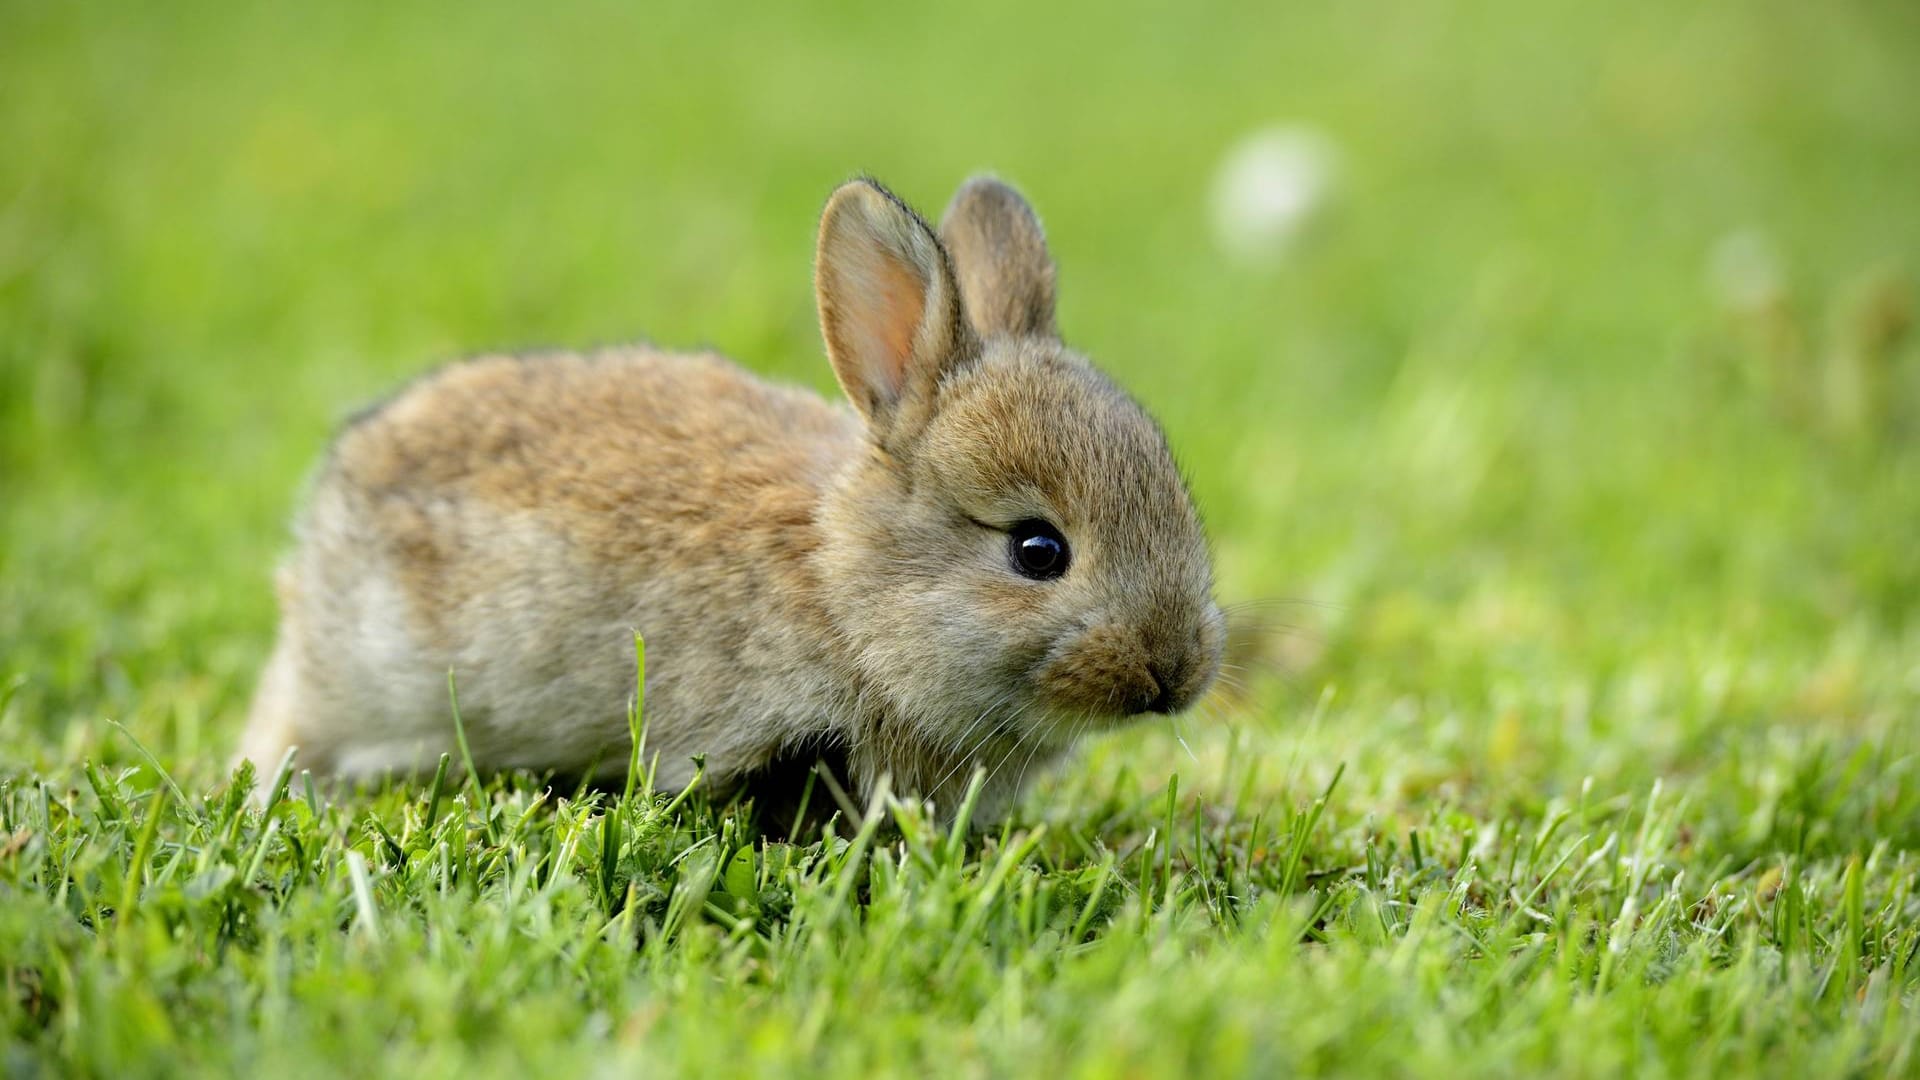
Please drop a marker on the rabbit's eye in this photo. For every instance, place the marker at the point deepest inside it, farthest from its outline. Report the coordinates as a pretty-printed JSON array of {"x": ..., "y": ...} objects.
[{"x": 1037, "y": 550}]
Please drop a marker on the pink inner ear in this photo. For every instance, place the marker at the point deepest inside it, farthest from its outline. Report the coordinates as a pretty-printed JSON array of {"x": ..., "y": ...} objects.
[{"x": 890, "y": 317}]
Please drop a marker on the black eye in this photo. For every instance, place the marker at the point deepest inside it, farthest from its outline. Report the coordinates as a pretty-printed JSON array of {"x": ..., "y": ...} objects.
[{"x": 1037, "y": 550}]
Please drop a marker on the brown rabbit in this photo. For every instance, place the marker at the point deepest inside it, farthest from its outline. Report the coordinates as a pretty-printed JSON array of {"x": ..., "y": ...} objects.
[{"x": 990, "y": 554}]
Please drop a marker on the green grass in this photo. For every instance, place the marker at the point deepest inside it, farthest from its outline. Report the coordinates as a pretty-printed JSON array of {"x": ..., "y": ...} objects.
[{"x": 1588, "y": 745}]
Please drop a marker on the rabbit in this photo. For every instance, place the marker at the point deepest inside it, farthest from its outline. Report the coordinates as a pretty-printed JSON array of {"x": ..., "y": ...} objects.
[{"x": 986, "y": 553}]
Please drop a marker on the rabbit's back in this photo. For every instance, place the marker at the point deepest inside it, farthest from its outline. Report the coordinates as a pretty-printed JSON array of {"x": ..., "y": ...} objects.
[{"x": 515, "y": 520}]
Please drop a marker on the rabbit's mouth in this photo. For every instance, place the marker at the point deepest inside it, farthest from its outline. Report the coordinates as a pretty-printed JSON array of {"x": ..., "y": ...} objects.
[
  {"x": 1116, "y": 673},
  {"x": 1124, "y": 690}
]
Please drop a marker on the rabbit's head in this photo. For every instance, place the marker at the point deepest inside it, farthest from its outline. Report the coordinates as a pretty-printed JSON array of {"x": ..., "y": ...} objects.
[{"x": 1015, "y": 554}]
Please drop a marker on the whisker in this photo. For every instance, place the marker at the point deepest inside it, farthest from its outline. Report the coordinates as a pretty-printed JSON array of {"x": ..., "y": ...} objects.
[
  {"x": 962, "y": 740},
  {"x": 1022, "y": 778},
  {"x": 1270, "y": 602},
  {"x": 1243, "y": 628},
  {"x": 963, "y": 756},
  {"x": 1223, "y": 713},
  {"x": 1018, "y": 738}
]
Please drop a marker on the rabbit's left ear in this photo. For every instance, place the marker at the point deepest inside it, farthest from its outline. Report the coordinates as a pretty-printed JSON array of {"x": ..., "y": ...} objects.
[
  {"x": 1000, "y": 254},
  {"x": 890, "y": 309}
]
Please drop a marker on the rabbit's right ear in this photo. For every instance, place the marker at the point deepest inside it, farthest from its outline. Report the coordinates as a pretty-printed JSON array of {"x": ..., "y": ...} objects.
[{"x": 889, "y": 309}]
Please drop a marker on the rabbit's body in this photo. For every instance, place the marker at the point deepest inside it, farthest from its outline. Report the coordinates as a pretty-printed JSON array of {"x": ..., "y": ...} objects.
[
  {"x": 990, "y": 554},
  {"x": 514, "y": 520}
]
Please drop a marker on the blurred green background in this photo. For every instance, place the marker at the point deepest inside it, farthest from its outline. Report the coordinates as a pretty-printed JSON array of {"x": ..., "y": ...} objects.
[{"x": 1550, "y": 498}]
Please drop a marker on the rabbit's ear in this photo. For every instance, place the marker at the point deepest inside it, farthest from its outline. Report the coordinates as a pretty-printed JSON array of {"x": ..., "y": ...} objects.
[
  {"x": 889, "y": 308},
  {"x": 1001, "y": 256}
]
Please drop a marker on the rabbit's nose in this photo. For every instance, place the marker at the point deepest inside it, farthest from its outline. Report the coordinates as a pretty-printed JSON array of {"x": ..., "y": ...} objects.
[
  {"x": 1179, "y": 678},
  {"x": 1162, "y": 702},
  {"x": 1165, "y": 697}
]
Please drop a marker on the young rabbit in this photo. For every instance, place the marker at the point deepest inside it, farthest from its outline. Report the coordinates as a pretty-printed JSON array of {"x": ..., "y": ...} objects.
[{"x": 989, "y": 555}]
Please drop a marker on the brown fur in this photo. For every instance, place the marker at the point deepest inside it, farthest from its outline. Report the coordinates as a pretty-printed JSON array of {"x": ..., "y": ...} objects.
[{"x": 804, "y": 576}]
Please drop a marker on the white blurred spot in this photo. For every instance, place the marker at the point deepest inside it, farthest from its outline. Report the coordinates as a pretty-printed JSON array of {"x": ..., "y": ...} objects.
[
  {"x": 1746, "y": 271},
  {"x": 1270, "y": 186}
]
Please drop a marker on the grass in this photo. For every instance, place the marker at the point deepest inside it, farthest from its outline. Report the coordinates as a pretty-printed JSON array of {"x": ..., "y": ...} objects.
[{"x": 1587, "y": 745}]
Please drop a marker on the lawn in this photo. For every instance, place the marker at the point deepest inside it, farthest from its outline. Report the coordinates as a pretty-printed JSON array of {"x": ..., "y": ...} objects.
[{"x": 1571, "y": 461}]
